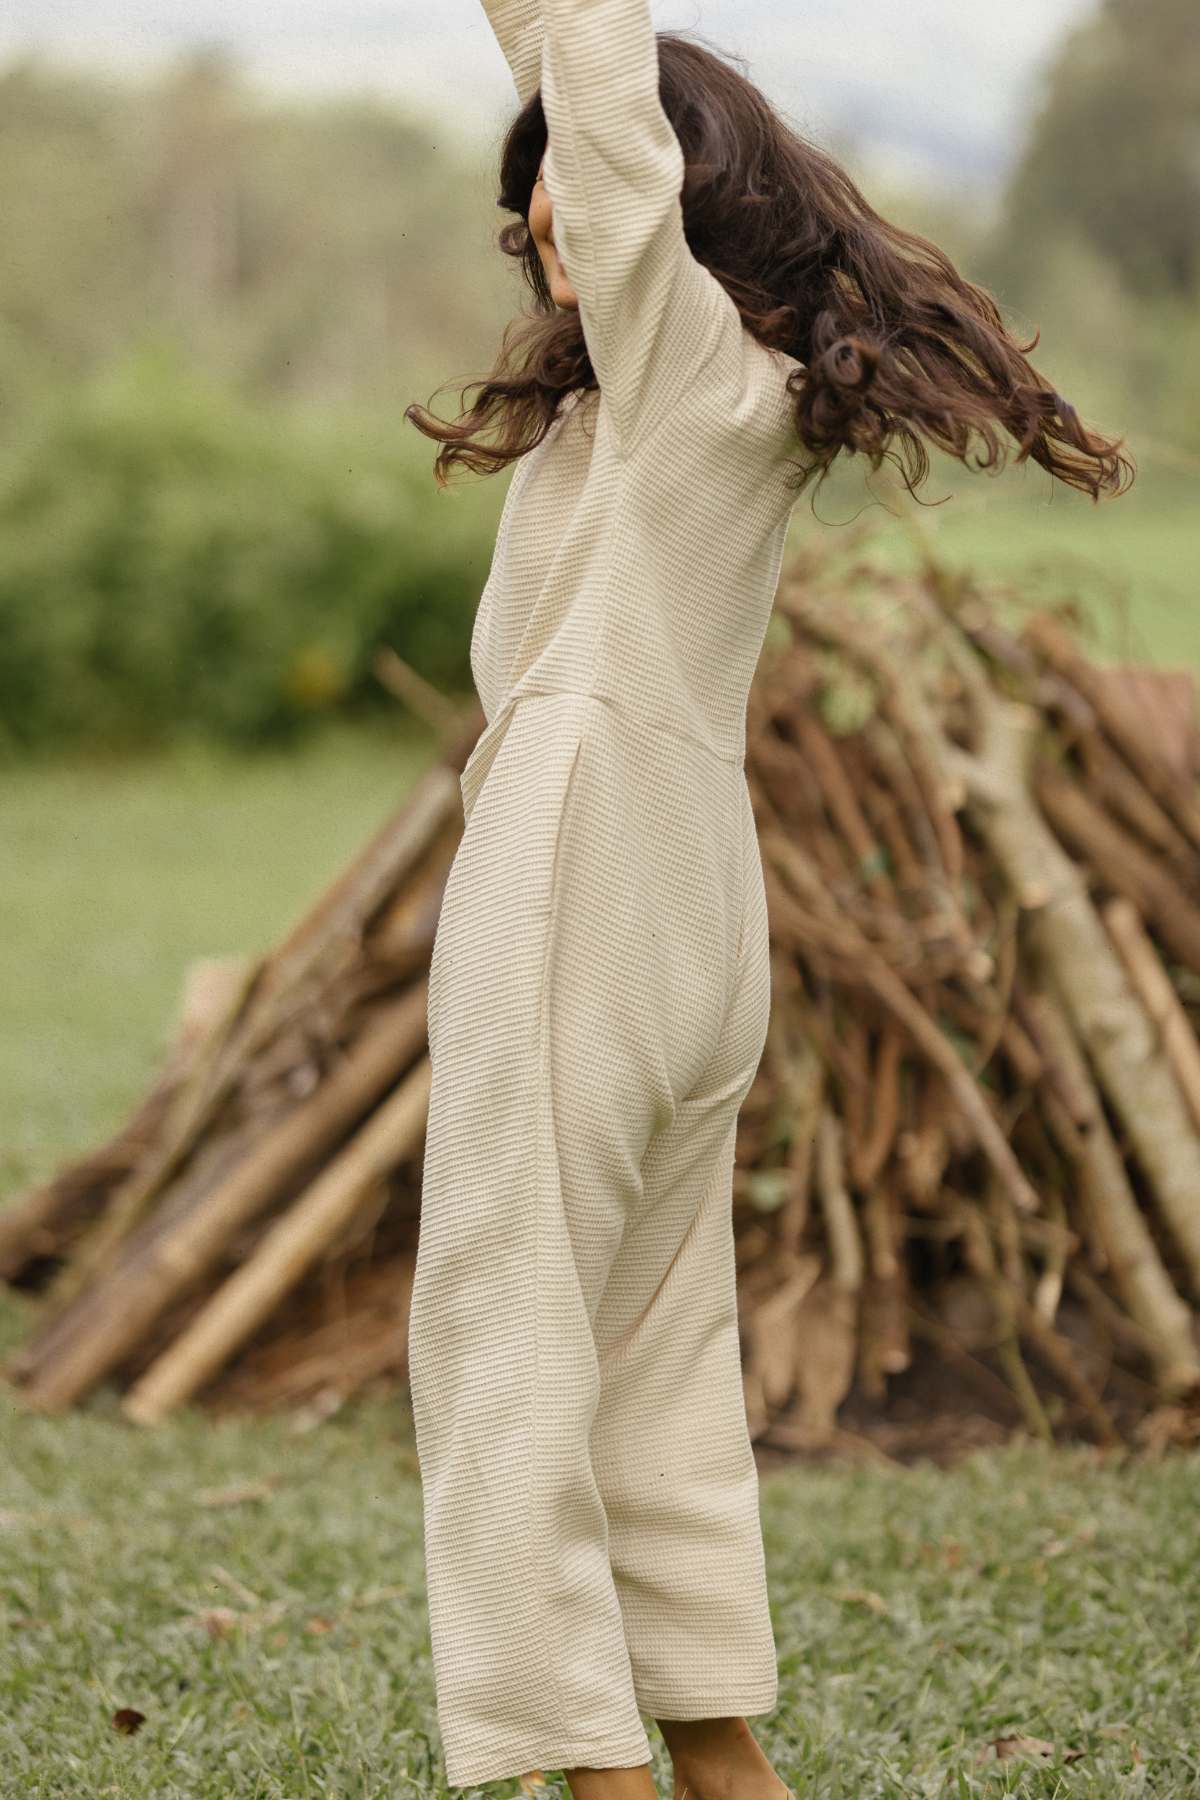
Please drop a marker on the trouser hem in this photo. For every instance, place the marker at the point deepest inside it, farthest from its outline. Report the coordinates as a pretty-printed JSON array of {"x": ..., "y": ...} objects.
[
  {"x": 470, "y": 1771},
  {"x": 729, "y": 1703}
]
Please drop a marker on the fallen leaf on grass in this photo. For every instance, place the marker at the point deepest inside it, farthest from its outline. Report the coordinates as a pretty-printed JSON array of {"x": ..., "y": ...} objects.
[
  {"x": 533, "y": 1783},
  {"x": 862, "y": 1597},
  {"x": 1001, "y": 1748},
  {"x": 128, "y": 1719},
  {"x": 218, "y": 1621},
  {"x": 246, "y": 1595},
  {"x": 237, "y": 1494}
]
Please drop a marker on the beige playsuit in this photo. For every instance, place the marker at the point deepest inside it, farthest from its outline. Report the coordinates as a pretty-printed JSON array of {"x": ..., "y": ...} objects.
[{"x": 599, "y": 992}]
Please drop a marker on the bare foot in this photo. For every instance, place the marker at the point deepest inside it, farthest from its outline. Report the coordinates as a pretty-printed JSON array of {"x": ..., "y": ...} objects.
[{"x": 720, "y": 1759}]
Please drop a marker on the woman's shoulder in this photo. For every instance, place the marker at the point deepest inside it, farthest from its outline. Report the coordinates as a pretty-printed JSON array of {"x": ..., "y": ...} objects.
[{"x": 748, "y": 396}]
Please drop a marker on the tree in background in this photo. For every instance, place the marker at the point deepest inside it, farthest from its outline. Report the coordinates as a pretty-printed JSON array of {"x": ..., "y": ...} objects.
[
  {"x": 1115, "y": 150},
  {"x": 330, "y": 254},
  {"x": 1098, "y": 242}
]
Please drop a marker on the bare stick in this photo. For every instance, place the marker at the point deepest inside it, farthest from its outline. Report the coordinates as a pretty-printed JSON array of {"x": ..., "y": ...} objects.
[{"x": 288, "y": 1249}]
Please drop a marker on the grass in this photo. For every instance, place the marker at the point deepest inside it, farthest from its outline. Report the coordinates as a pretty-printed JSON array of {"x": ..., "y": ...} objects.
[
  {"x": 919, "y": 1615},
  {"x": 119, "y": 874}
]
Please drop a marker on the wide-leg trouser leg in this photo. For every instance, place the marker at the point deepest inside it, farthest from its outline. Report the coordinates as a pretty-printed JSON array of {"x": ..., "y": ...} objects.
[
  {"x": 670, "y": 1444},
  {"x": 580, "y": 983}
]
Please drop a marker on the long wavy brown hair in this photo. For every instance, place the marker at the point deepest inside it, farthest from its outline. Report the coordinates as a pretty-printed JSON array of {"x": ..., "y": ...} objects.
[{"x": 897, "y": 346}]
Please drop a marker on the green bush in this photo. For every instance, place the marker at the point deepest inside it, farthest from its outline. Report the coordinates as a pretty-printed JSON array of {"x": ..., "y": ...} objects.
[{"x": 172, "y": 560}]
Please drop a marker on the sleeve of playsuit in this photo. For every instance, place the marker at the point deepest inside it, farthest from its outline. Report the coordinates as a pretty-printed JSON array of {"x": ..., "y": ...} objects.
[
  {"x": 651, "y": 313},
  {"x": 519, "y": 31}
]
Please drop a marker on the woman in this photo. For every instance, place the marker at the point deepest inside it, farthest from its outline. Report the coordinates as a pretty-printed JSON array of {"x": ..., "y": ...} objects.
[{"x": 714, "y": 295}]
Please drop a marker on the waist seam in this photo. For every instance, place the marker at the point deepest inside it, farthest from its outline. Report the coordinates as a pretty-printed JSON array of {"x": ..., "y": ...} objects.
[{"x": 735, "y": 757}]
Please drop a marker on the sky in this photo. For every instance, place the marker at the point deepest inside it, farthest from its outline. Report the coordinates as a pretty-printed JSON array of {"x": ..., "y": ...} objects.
[{"x": 933, "y": 90}]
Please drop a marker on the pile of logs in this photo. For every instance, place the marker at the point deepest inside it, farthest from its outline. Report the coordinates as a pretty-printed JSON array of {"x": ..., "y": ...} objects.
[{"x": 974, "y": 1133}]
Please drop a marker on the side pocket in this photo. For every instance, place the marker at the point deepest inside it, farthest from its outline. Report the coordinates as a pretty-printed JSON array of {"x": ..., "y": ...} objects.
[
  {"x": 568, "y": 791},
  {"x": 471, "y": 781},
  {"x": 754, "y": 952},
  {"x": 748, "y": 840},
  {"x": 715, "y": 1075}
]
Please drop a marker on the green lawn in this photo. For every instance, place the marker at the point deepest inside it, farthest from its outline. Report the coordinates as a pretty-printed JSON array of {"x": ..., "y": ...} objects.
[
  {"x": 276, "y": 1643},
  {"x": 119, "y": 875}
]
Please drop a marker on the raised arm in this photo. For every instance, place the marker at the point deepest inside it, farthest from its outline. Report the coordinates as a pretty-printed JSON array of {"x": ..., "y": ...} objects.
[
  {"x": 614, "y": 170},
  {"x": 651, "y": 314},
  {"x": 519, "y": 30}
]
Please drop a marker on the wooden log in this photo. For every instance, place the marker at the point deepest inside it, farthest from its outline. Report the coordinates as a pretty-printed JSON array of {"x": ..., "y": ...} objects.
[
  {"x": 1055, "y": 1350},
  {"x": 171, "y": 1263},
  {"x": 901, "y": 702},
  {"x": 132, "y": 1199},
  {"x": 806, "y": 1080},
  {"x": 771, "y": 1331},
  {"x": 884, "y": 1341},
  {"x": 341, "y": 1356},
  {"x": 1056, "y": 1242},
  {"x": 1110, "y": 854},
  {"x": 862, "y": 957},
  {"x": 820, "y": 753},
  {"x": 868, "y": 1154},
  {"x": 920, "y": 849},
  {"x": 1078, "y": 1097},
  {"x": 1168, "y": 700},
  {"x": 1068, "y": 938},
  {"x": 1111, "y": 1213},
  {"x": 284, "y": 1254},
  {"x": 339, "y": 917},
  {"x": 880, "y": 806},
  {"x": 841, "y": 1226},
  {"x": 212, "y": 1162},
  {"x": 43, "y": 1222},
  {"x": 444, "y": 717},
  {"x": 1124, "y": 723},
  {"x": 1119, "y": 794},
  {"x": 1148, "y": 976},
  {"x": 981, "y": 1259},
  {"x": 826, "y": 1349},
  {"x": 923, "y": 1147}
]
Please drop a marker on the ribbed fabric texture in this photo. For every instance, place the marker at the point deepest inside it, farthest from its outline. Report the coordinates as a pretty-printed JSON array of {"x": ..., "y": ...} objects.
[{"x": 599, "y": 993}]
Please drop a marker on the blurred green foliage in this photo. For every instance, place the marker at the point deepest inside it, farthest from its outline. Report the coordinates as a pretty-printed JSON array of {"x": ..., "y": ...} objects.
[
  {"x": 173, "y": 559},
  {"x": 214, "y": 309}
]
